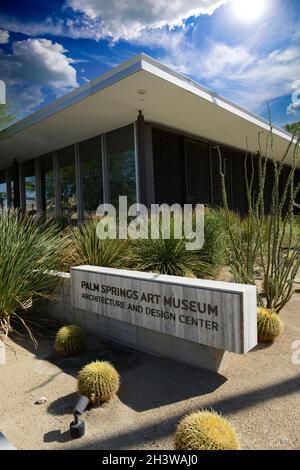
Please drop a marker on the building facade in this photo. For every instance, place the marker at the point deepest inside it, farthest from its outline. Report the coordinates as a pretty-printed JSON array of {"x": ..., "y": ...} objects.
[{"x": 142, "y": 131}]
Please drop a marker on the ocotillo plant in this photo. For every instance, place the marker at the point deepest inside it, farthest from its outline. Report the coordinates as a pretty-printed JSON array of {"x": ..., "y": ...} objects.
[{"x": 267, "y": 238}]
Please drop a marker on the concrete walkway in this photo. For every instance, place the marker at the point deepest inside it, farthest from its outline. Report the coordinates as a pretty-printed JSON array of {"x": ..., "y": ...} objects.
[{"x": 259, "y": 393}]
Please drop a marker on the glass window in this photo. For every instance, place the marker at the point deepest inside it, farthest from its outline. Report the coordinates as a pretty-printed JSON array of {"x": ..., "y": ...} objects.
[
  {"x": 91, "y": 174},
  {"x": 47, "y": 175},
  {"x": 121, "y": 164},
  {"x": 3, "y": 192},
  {"x": 30, "y": 186},
  {"x": 66, "y": 158}
]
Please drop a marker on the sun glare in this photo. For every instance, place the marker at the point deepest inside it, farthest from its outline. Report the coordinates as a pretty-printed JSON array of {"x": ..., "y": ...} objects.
[{"x": 248, "y": 10}]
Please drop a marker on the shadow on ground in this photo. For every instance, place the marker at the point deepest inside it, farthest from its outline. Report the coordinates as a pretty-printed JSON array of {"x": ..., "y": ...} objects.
[
  {"x": 57, "y": 436},
  {"x": 158, "y": 382},
  {"x": 63, "y": 405},
  {"x": 147, "y": 381},
  {"x": 141, "y": 435}
]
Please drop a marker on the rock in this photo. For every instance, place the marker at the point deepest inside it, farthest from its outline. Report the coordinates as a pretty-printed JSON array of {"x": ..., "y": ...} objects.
[{"x": 40, "y": 401}]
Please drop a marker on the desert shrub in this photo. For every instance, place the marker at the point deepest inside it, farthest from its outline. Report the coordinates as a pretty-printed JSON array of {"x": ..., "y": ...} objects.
[
  {"x": 98, "y": 381},
  {"x": 215, "y": 240},
  {"x": 88, "y": 248},
  {"x": 31, "y": 256},
  {"x": 268, "y": 238},
  {"x": 162, "y": 256},
  {"x": 205, "y": 430},
  {"x": 170, "y": 255},
  {"x": 70, "y": 340}
]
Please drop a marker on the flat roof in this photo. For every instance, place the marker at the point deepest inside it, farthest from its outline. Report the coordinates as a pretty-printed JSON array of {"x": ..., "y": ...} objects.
[{"x": 112, "y": 100}]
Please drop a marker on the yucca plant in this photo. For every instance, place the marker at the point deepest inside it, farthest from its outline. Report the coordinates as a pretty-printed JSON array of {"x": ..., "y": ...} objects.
[
  {"x": 168, "y": 256},
  {"x": 31, "y": 256},
  {"x": 88, "y": 248},
  {"x": 162, "y": 256}
]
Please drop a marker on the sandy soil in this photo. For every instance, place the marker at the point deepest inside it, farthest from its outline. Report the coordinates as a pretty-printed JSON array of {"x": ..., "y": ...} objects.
[{"x": 259, "y": 393}]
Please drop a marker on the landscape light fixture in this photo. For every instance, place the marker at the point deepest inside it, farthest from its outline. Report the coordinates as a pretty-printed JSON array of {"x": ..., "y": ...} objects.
[{"x": 77, "y": 427}]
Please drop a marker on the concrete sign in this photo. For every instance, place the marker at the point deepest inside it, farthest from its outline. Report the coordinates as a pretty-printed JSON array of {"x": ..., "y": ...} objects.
[{"x": 217, "y": 314}]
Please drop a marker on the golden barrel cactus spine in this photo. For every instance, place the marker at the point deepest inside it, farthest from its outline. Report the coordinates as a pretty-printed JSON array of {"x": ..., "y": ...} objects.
[
  {"x": 98, "y": 381},
  {"x": 205, "y": 430},
  {"x": 70, "y": 340},
  {"x": 269, "y": 325}
]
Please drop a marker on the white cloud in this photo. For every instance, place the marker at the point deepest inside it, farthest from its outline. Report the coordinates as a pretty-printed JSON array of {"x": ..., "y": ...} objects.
[
  {"x": 294, "y": 106},
  {"x": 223, "y": 59},
  {"x": 33, "y": 66},
  {"x": 41, "y": 61},
  {"x": 127, "y": 18},
  {"x": 240, "y": 73},
  {"x": 81, "y": 27},
  {"x": 4, "y": 37},
  {"x": 25, "y": 99}
]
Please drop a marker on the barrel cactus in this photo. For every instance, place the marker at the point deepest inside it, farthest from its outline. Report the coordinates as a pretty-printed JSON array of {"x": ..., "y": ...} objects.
[
  {"x": 269, "y": 325},
  {"x": 205, "y": 430},
  {"x": 70, "y": 340},
  {"x": 99, "y": 381}
]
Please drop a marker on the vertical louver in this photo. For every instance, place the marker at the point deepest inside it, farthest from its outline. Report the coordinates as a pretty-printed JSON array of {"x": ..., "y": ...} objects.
[
  {"x": 168, "y": 163},
  {"x": 198, "y": 175}
]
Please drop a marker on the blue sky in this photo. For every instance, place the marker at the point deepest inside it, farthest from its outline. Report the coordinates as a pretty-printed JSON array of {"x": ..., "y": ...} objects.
[{"x": 246, "y": 50}]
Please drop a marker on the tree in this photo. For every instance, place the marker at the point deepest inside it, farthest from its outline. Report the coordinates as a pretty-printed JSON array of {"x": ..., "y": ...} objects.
[
  {"x": 293, "y": 127},
  {"x": 5, "y": 117}
]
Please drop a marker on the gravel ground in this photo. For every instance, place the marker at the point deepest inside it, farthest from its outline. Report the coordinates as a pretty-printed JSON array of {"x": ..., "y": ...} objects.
[{"x": 259, "y": 393}]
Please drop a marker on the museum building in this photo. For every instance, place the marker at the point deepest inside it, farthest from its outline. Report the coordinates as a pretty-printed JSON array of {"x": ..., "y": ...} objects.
[{"x": 141, "y": 130}]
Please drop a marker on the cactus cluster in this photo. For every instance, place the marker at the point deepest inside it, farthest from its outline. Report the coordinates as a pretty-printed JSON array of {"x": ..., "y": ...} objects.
[
  {"x": 205, "y": 430},
  {"x": 269, "y": 325},
  {"x": 99, "y": 381},
  {"x": 70, "y": 340}
]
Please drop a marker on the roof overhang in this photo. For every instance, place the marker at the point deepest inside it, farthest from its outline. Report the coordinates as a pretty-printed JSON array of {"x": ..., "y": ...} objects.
[{"x": 113, "y": 100}]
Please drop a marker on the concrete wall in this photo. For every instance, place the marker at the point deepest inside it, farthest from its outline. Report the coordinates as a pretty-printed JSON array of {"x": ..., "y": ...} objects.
[{"x": 133, "y": 336}]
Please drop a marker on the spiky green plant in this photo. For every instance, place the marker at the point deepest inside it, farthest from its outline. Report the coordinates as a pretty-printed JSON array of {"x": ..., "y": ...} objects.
[
  {"x": 88, "y": 248},
  {"x": 215, "y": 237},
  {"x": 162, "y": 256},
  {"x": 98, "y": 381},
  {"x": 205, "y": 430},
  {"x": 269, "y": 325},
  {"x": 167, "y": 254},
  {"x": 31, "y": 256},
  {"x": 70, "y": 340},
  {"x": 268, "y": 238}
]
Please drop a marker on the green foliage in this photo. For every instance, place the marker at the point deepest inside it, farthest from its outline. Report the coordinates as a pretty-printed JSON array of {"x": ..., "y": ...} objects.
[
  {"x": 31, "y": 252},
  {"x": 293, "y": 128},
  {"x": 205, "y": 430},
  {"x": 267, "y": 240},
  {"x": 70, "y": 340},
  {"x": 269, "y": 325},
  {"x": 98, "y": 381},
  {"x": 168, "y": 256},
  {"x": 5, "y": 117},
  {"x": 88, "y": 248},
  {"x": 215, "y": 240},
  {"x": 161, "y": 255}
]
